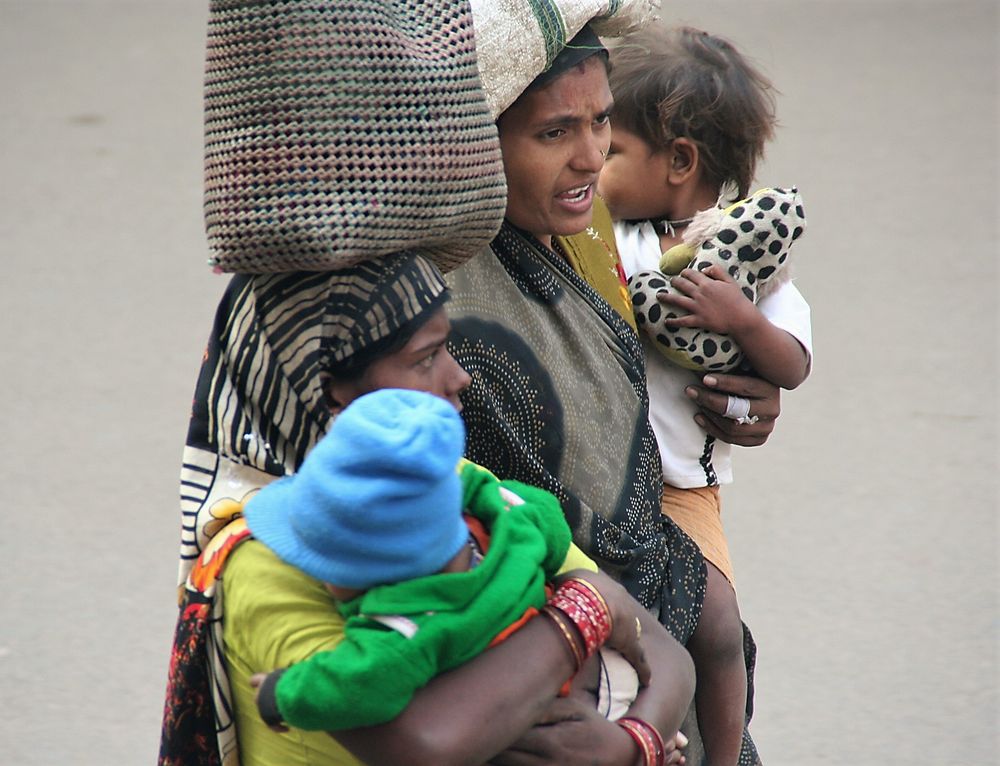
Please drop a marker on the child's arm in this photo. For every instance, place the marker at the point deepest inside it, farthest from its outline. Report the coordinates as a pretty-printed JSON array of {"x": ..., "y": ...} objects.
[
  {"x": 716, "y": 303},
  {"x": 267, "y": 699},
  {"x": 366, "y": 679}
]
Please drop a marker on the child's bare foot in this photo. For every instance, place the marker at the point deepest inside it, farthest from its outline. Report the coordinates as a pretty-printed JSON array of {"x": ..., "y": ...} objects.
[{"x": 674, "y": 749}]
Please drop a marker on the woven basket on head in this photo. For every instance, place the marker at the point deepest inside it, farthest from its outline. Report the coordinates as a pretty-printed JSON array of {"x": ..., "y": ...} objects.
[{"x": 336, "y": 132}]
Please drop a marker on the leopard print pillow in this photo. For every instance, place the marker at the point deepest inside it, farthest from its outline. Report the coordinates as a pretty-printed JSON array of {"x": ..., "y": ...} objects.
[{"x": 752, "y": 242}]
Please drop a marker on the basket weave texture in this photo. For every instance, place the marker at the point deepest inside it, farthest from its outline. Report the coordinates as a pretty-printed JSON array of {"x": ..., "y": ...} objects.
[{"x": 339, "y": 132}]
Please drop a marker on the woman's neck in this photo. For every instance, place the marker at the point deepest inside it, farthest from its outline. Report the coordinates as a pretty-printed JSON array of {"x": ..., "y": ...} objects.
[{"x": 547, "y": 241}]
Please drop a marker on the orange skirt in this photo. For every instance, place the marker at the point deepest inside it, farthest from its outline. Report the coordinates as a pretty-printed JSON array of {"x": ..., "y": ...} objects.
[{"x": 698, "y": 511}]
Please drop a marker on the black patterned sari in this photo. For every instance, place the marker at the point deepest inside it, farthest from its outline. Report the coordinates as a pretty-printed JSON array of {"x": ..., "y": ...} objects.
[{"x": 558, "y": 399}]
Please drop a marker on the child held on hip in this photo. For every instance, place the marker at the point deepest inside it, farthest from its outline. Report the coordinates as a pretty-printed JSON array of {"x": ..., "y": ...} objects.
[{"x": 690, "y": 120}]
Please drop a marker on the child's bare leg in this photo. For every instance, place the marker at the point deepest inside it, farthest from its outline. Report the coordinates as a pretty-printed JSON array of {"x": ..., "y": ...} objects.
[{"x": 717, "y": 650}]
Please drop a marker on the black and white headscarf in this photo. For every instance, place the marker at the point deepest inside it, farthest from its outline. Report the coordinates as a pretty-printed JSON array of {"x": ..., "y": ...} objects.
[{"x": 259, "y": 405}]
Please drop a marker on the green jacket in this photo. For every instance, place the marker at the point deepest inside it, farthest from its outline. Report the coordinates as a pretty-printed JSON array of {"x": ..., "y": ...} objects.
[{"x": 372, "y": 674}]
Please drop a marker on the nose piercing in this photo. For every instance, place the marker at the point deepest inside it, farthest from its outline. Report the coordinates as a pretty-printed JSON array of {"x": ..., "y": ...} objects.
[{"x": 604, "y": 153}]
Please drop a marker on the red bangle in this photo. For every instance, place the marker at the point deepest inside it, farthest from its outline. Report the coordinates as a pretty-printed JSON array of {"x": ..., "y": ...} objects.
[
  {"x": 651, "y": 746},
  {"x": 587, "y": 610},
  {"x": 578, "y": 583}
]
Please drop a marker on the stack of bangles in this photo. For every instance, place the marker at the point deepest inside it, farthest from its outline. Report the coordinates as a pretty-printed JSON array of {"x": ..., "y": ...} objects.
[
  {"x": 578, "y": 603},
  {"x": 651, "y": 746}
]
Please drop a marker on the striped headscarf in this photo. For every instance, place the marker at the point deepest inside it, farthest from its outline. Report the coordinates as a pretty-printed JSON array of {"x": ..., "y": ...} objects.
[{"x": 259, "y": 405}]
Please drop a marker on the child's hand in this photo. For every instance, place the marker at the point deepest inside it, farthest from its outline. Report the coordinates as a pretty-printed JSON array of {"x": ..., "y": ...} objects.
[
  {"x": 255, "y": 681},
  {"x": 713, "y": 300}
]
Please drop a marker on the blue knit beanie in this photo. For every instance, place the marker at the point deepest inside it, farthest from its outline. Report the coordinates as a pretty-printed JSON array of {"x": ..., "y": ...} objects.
[{"x": 378, "y": 500}]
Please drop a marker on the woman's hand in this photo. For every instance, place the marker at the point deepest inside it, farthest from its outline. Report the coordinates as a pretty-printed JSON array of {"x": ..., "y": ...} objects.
[
  {"x": 713, "y": 396},
  {"x": 572, "y": 731}
]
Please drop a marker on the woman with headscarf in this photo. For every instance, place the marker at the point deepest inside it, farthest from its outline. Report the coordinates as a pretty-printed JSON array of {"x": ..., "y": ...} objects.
[
  {"x": 286, "y": 354},
  {"x": 558, "y": 396}
]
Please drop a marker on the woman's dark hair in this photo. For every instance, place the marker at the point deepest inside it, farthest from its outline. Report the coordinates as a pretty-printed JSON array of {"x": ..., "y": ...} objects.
[
  {"x": 355, "y": 365},
  {"x": 685, "y": 83}
]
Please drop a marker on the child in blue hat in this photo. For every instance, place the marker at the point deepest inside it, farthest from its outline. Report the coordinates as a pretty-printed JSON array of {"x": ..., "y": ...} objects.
[{"x": 381, "y": 512}]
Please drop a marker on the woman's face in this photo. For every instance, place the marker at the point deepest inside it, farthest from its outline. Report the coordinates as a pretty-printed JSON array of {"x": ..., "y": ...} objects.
[
  {"x": 423, "y": 364},
  {"x": 553, "y": 141}
]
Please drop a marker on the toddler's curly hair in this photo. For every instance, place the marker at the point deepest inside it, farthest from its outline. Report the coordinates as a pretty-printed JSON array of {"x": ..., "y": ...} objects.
[{"x": 683, "y": 82}]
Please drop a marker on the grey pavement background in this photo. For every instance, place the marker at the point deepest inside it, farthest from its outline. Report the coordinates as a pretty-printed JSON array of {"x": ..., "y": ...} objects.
[{"x": 864, "y": 534}]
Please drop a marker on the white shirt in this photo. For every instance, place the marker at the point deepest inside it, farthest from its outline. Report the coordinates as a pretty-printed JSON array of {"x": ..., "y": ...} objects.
[{"x": 692, "y": 458}]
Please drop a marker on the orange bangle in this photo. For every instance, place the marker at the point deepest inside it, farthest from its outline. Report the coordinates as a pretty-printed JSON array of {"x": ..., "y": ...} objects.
[{"x": 574, "y": 647}]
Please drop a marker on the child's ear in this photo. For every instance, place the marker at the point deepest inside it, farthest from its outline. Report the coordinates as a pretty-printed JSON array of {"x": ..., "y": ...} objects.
[{"x": 683, "y": 160}]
